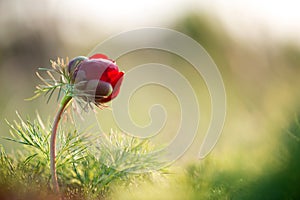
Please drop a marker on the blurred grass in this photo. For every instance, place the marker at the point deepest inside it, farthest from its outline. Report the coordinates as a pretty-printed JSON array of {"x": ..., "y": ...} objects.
[{"x": 211, "y": 179}]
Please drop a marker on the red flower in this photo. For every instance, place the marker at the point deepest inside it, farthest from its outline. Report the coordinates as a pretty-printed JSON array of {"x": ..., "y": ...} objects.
[{"x": 96, "y": 78}]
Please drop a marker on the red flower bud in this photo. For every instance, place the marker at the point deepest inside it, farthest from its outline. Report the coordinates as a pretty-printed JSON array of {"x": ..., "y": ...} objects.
[{"x": 96, "y": 78}]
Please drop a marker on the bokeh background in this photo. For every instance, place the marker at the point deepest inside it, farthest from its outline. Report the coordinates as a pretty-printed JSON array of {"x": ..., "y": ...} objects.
[{"x": 255, "y": 44}]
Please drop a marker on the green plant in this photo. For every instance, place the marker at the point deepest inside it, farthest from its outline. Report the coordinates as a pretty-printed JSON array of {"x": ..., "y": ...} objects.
[
  {"x": 87, "y": 165},
  {"x": 90, "y": 80}
]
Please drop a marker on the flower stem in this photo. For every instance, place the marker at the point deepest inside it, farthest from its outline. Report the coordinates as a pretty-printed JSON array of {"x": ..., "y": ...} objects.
[{"x": 62, "y": 107}]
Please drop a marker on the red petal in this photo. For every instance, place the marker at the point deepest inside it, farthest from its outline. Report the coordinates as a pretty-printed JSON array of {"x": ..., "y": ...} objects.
[
  {"x": 98, "y": 55},
  {"x": 110, "y": 74},
  {"x": 116, "y": 88}
]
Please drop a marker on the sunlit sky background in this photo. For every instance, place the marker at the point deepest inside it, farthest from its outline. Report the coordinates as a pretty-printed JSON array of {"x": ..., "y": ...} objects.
[
  {"x": 246, "y": 19},
  {"x": 278, "y": 18}
]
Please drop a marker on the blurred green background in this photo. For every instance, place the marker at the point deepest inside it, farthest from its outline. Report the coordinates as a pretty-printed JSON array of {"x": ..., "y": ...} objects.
[{"x": 258, "y": 56}]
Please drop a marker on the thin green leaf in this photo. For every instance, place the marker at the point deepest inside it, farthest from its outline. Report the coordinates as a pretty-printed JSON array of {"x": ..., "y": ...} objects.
[{"x": 29, "y": 158}]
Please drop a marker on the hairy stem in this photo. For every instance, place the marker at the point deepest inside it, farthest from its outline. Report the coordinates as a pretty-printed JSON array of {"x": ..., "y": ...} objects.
[{"x": 62, "y": 107}]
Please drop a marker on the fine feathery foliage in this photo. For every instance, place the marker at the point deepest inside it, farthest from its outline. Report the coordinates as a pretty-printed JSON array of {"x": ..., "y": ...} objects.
[
  {"x": 87, "y": 166},
  {"x": 58, "y": 80}
]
